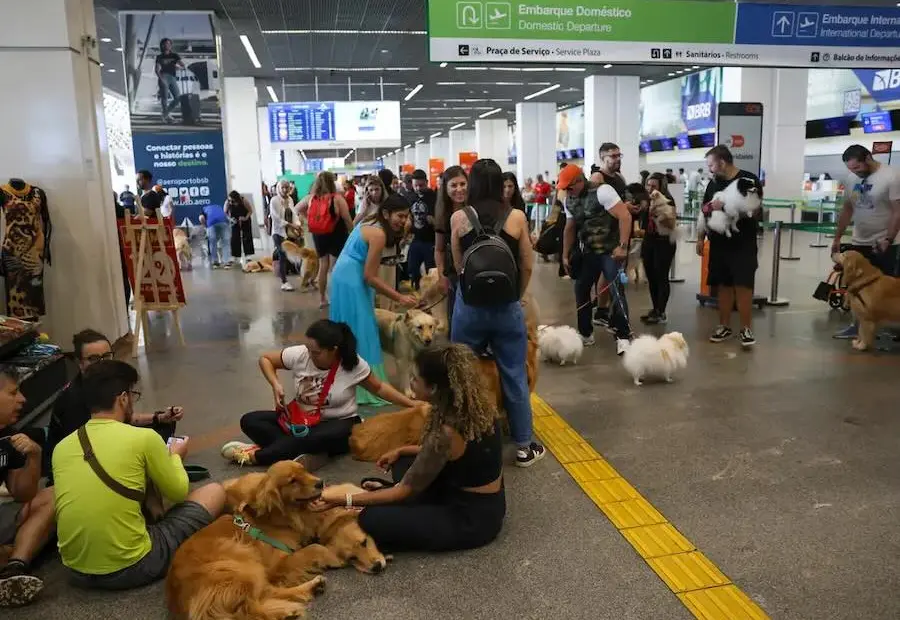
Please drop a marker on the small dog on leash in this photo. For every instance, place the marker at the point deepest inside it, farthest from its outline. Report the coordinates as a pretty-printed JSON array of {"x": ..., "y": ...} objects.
[
  {"x": 656, "y": 358},
  {"x": 741, "y": 197},
  {"x": 560, "y": 345}
]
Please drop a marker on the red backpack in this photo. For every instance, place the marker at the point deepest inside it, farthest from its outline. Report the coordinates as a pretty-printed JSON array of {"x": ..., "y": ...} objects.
[{"x": 322, "y": 216}]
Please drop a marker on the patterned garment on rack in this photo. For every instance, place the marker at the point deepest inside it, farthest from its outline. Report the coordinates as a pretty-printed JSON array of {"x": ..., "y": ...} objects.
[{"x": 26, "y": 245}]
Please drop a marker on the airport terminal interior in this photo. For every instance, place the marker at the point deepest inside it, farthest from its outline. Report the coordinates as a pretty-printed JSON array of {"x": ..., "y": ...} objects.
[{"x": 175, "y": 178}]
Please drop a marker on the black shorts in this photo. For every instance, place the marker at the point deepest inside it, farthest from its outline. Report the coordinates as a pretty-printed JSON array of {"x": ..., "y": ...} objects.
[
  {"x": 732, "y": 264},
  {"x": 330, "y": 244}
]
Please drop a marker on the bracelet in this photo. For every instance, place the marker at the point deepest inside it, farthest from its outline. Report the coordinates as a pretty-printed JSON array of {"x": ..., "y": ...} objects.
[{"x": 349, "y": 499}]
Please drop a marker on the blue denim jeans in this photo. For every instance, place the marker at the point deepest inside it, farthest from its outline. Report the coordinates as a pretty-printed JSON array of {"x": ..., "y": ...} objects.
[
  {"x": 219, "y": 233},
  {"x": 503, "y": 329},
  {"x": 420, "y": 253},
  {"x": 592, "y": 268},
  {"x": 168, "y": 84}
]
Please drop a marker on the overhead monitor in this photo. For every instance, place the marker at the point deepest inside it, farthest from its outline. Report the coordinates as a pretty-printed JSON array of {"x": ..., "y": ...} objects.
[
  {"x": 877, "y": 122},
  {"x": 334, "y": 124}
]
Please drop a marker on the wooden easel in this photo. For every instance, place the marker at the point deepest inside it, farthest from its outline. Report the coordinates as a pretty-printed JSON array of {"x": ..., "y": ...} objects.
[{"x": 137, "y": 229}]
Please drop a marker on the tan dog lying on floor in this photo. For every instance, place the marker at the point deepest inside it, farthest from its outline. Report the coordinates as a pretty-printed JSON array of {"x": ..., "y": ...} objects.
[
  {"x": 874, "y": 297},
  {"x": 227, "y": 570},
  {"x": 258, "y": 266},
  {"x": 305, "y": 259},
  {"x": 403, "y": 336}
]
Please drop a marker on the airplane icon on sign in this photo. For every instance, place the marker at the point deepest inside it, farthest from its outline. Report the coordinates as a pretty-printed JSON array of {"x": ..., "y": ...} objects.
[{"x": 497, "y": 15}]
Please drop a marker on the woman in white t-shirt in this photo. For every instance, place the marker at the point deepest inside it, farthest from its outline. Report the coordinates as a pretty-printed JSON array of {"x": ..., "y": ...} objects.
[{"x": 331, "y": 351}]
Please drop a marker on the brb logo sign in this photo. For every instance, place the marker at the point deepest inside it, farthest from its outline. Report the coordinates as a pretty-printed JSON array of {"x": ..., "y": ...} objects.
[
  {"x": 888, "y": 79},
  {"x": 883, "y": 85},
  {"x": 698, "y": 111}
]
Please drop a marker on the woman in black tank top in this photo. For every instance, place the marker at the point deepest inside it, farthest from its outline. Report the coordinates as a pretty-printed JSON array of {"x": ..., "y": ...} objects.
[
  {"x": 447, "y": 493},
  {"x": 240, "y": 214}
]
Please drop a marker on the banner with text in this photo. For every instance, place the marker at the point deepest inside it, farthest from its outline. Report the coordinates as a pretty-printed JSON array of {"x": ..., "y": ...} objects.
[
  {"x": 172, "y": 80},
  {"x": 740, "y": 129},
  {"x": 665, "y": 32}
]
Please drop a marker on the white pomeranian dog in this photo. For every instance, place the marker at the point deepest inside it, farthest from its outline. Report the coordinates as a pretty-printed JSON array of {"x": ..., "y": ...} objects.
[
  {"x": 656, "y": 358},
  {"x": 741, "y": 198},
  {"x": 561, "y": 345}
]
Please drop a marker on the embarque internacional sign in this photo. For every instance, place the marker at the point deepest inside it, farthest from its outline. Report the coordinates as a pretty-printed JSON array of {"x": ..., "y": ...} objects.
[{"x": 663, "y": 32}]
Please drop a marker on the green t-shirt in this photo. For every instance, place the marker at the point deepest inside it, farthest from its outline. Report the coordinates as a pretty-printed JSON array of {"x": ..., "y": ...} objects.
[{"x": 99, "y": 531}]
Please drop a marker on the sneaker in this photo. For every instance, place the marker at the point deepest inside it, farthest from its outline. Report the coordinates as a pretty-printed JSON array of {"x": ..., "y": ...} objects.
[
  {"x": 287, "y": 286},
  {"x": 216, "y": 266},
  {"x": 622, "y": 345},
  {"x": 650, "y": 317},
  {"x": 661, "y": 319},
  {"x": 587, "y": 341},
  {"x": 17, "y": 587},
  {"x": 228, "y": 265},
  {"x": 238, "y": 452},
  {"x": 526, "y": 457},
  {"x": 722, "y": 333},
  {"x": 601, "y": 318},
  {"x": 747, "y": 337},
  {"x": 848, "y": 333}
]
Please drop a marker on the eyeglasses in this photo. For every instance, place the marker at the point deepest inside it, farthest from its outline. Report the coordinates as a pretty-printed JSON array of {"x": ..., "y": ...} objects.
[
  {"x": 93, "y": 359},
  {"x": 135, "y": 395}
]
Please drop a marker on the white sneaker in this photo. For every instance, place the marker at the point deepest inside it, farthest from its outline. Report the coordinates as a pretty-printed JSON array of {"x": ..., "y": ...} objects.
[
  {"x": 588, "y": 341},
  {"x": 238, "y": 451},
  {"x": 287, "y": 286},
  {"x": 622, "y": 345}
]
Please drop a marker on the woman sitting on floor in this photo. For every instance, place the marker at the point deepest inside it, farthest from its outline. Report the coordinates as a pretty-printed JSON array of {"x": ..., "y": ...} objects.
[
  {"x": 326, "y": 373},
  {"x": 447, "y": 494}
]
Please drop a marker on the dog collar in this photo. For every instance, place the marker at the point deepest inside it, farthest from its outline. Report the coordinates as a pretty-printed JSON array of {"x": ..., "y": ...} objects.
[
  {"x": 855, "y": 291},
  {"x": 257, "y": 534}
]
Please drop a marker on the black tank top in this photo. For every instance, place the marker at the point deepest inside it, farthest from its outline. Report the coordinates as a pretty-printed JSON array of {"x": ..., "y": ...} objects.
[
  {"x": 237, "y": 208},
  {"x": 480, "y": 464}
]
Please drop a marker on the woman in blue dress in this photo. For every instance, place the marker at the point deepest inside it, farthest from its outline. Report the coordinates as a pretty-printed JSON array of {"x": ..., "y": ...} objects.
[{"x": 355, "y": 280}]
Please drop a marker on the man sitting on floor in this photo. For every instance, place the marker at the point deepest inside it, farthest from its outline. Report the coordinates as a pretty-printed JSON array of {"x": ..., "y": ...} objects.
[
  {"x": 70, "y": 410},
  {"x": 103, "y": 537},
  {"x": 26, "y": 520}
]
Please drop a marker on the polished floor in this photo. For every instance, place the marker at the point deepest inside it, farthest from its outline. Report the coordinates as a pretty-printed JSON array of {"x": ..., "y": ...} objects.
[{"x": 780, "y": 464}]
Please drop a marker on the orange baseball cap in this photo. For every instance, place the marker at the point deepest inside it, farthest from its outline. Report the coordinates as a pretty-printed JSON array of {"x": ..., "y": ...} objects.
[{"x": 567, "y": 176}]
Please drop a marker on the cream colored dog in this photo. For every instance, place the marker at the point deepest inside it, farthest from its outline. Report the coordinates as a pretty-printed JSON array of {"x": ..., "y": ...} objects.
[
  {"x": 403, "y": 336},
  {"x": 183, "y": 249}
]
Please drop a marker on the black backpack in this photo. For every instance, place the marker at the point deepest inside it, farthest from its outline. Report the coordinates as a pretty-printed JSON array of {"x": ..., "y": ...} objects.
[{"x": 489, "y": 274}]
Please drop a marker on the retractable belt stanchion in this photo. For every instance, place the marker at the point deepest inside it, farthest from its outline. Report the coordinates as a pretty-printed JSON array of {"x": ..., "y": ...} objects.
[
  {"x": 790, "y": 254},
  {"x": 818, "y": 243},
  {"x": 773, "y": 299}
]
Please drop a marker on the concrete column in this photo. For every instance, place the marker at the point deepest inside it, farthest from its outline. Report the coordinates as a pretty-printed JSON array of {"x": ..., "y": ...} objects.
[
  {"x": 612, "y": 114},
  {"x": 241, "y": 134},
  {"x": 55, "y": 135},
  {"x": 409, "y": 155},
  {"x": 423, "y": 151},
  {"x": 440, "y": 147},
  {"x": 491, "y": 137},
  {"x": 269, "y": 157},
  {"x": 460, "y": 141},
  {"x": 783, "y": 95},
  {"x": 535, "y": 140}
]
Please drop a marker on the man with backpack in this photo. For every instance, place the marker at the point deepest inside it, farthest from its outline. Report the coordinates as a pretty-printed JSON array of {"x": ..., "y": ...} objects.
[{"x": 595, "y": 243}]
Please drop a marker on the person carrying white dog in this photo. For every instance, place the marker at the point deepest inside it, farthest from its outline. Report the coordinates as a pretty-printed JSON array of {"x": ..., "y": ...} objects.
[{"x": 732, "y": 260}]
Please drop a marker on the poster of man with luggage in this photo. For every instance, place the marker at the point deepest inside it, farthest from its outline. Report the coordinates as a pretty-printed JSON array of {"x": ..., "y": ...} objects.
[{"x": 171, "y": 66}]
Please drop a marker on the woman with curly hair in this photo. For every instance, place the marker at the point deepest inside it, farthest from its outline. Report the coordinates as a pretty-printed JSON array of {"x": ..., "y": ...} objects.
[{"x": 447, "y": 493}]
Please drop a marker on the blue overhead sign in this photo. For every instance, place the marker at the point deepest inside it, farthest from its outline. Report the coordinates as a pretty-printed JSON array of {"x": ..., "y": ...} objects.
[
  {"x": 301, "y": 122},
  {"x": 883, "y": 85},
  {"x": 817, "y": 26}
]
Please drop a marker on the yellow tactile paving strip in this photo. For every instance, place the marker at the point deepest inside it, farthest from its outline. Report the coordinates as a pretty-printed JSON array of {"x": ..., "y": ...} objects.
[{"x": 698, "y": 583}]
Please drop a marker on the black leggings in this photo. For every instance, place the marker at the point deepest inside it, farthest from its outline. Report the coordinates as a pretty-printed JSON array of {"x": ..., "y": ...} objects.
[
  {"x": 241, "y": 237},
  {"x": 657, "y": 254},
  {"x": 441, "y": 518},
  {"x": 327, "y": 437}
]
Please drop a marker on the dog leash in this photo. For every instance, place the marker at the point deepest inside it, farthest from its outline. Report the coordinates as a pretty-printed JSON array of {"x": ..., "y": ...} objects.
[{"x": 254, "y": 532}]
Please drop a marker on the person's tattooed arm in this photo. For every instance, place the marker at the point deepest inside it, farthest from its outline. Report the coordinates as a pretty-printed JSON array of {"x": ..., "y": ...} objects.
[{"x": 429, "y": 462}]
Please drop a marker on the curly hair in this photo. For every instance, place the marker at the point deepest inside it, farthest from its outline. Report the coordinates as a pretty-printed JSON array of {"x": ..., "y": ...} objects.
[{"x": 461, "y": 398}]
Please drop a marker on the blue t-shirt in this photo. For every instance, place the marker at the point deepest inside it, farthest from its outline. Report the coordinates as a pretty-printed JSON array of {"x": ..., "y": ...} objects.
[{"x": 215, "y": 214}]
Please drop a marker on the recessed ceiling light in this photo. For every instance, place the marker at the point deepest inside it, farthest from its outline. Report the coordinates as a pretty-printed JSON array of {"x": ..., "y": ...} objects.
[
  {"x": 486, "y": 114},
  {"x": 420, "y": 140},
  {"x": 385, "y": 51},
  {"x": 250, "y": 51},
  {"x": 272, "y": 94},
  {"x": 413, "y": 92},
  {"x": 541, "y": 92},
  {"x": 698, "y": 66},
  {"x": 607, "y": 66},
  {"x": 671, "y": 74},
  {"x": 101, "y": 64},
  {"x": 118, "y": 49},
  {"x": 106, "y": 40},
  {"x": 436, "y": 134},
  {"x": 442, "y": 65},
  {"x": 110, "y": 70},
  {"x": 457, "y": 126}
]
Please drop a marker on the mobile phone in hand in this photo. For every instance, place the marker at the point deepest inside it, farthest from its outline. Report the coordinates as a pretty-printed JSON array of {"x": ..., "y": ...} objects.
[
  {"x": 10, "y": 458},
  {"x": 175, "y": 439}
]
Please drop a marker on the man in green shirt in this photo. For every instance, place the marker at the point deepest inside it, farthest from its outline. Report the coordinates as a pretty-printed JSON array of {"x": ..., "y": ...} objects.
[{"x": 103, "y": 537}]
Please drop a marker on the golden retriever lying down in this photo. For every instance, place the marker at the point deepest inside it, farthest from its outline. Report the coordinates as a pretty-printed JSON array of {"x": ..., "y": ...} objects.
[
  {"x": 224, "y": 571},
  {"x": 257, "y": 266},
  {"x": 874, "y": 297}
]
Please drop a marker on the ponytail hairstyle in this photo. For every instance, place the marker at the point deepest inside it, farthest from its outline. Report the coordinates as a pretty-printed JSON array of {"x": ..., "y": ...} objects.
[
  {"x": 339, "y": 336},
  {"x": 461, "y": 399}
]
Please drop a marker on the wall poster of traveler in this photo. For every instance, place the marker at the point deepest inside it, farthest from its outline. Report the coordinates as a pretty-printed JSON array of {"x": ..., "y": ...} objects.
[{"x": 171, "y": 71}]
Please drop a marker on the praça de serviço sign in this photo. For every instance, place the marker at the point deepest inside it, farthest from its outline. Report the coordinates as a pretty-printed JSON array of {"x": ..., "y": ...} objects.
[{"x": 664, "y": 32}]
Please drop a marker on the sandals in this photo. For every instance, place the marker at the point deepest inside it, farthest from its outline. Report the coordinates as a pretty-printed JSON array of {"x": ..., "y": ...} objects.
[{"x": 375, "y": 484}]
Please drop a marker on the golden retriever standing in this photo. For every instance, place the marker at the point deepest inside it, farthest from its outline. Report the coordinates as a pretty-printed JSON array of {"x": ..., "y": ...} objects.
[
  {"x": 874, "y": 297},
  {"x": 183, "y": 249},
  {"x": 403, "y": 336},
  {"x": 305, "y": 259}
]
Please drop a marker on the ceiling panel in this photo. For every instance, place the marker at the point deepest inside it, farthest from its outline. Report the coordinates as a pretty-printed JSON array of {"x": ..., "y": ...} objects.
[{"x": 366, "y": 58}]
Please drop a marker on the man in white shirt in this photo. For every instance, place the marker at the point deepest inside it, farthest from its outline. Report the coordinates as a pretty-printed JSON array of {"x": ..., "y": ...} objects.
[{"x": 872, "y": 202}]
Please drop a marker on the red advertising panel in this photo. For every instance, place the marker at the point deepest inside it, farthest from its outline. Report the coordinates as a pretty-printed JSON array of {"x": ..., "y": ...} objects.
[{"x": 161, "y": 281}]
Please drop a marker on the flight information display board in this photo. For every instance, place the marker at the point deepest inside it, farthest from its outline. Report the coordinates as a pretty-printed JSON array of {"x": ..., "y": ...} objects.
[{"x": 334, "y": 124}]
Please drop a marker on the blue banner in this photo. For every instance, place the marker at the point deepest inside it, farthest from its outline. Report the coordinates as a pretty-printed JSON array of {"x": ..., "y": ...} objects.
[
  {"x": 817, "y": 26},
  {"x": 883, "y": 85},
  {"x": 700, "y": 93}
]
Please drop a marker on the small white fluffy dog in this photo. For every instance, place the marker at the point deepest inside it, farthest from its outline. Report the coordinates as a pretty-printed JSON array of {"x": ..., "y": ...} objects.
[
  {"x": 560, "y": 344},
  {"x": 741, "y": 197},
  {"x": 658, "y": 358}
]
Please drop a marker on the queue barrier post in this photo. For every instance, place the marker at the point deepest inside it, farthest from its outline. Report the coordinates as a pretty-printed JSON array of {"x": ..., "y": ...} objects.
[
  {"x": 818, "y": 243},
  {"x": 692, "y": 236},
  {"x": 773, "y": 299},
  {"x": 790, "y": 254},
  {"x": 673, "y": 271}
]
